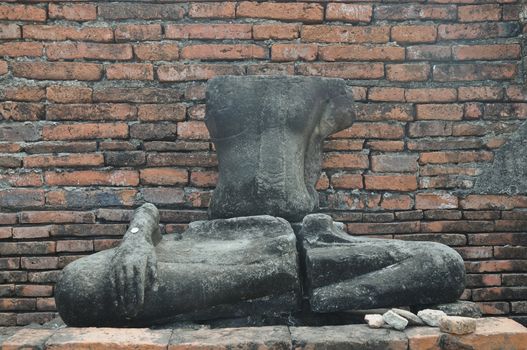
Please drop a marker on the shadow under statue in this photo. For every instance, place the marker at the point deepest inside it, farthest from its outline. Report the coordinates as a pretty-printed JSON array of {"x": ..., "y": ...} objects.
[{"x": 248, "y": 260}]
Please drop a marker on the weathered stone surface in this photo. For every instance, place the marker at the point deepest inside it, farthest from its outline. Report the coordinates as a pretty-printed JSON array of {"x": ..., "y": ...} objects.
[
  {"x": 346, "y": 273},
  {"x": 350, "y": 337},
  {"x": 431, "y": 317},
  {"x": 491, "y": 334},
  {"x": 220, "y": 268},
  {"x": 460, "y": 308},
  {"x": 28, "y": 338},
  {"x": 394, "y": 320},
  {"x": 108, "y": 338},
  {"x": 374, "y": 320},
  {"x": 413, "y": 319},
  {"x": 268, "y": 133},
  {"x": 276, "y": 337},
  {"x": 457, "y": 325}
]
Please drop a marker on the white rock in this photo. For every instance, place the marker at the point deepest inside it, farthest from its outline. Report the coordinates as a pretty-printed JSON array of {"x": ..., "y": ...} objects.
[
  {"x": 413, "y": 319},
  {"x": 394, "y": 320},
  {"x": 457, "y": 325},
  {"x": 374, "y": 320},
  {"x": 431, "y": 317}
]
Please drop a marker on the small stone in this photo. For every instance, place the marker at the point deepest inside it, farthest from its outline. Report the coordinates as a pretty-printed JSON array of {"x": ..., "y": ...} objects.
[
  {"x": 134, "y": 230},
  {"x": 431, "y": 317},
  {"x": 460, "y": 308},
  {"x": 374, "y": 320},
  {"x": 394, "y": 320},
  {"x": 413, "y": 319},
  {"x": 457, "y": 325}
]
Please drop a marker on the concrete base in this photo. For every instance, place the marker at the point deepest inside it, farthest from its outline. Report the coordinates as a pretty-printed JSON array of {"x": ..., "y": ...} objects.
[{"x": 491, "y": 334}]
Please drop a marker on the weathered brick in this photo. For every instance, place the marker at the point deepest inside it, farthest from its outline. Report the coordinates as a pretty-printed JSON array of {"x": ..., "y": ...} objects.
[
  {"x": 157, "y": 51},
  {"x": 90, "y": 112},
  {"x": 9, "y": 31},
  {"x": 39, "y": 263},
  {"x": 343, "y": 70},
  {"x": 212, "y": 10},
  {"x": 124, "y": 158},
  {"x": 68, "y": 94},
  {"x": 430, "y": 95},
  {"x": 479, "y": 13},
  {"x": 43, "y": 217},
  {"x": 404, "y": 12},
  {"x": 477, "y": 30},
  {"x": 196, "y": 112},
  {"x": 24, "y": 93},
  {"x": 414, "y": 34},
  {"x": 155, "y": 112},
  {"x": 372, "y": 130},
  {"x": 57, "y": 32},
  {"x": 152, "y": 131},
  {"x": 85, "y": 131},
  {"x": 480, "y": 93},
  {"x": 19, "y": 132},
  {"x": 212, "y": 31},
  {"x": 386, "y": 146},
  {"x": 481, "y": 71},
  {"x": 304, "y": 12},
  {"x": 32, "y": 232},
  {"x": 92, "y": 178},
  {"x": 57, "y": 70},
  {"x": 224, "y": 52},
  {"x": 345, "y": 161},
  {"x": 128, "y": 10},
  {"x": 83, "y": 198},
  {"x": 501, "y": 202},
  {"x": 130, "y": 71},
  {"x": 83, "y": 50},
  {"x": 137, "y": 95},
  {"x": 186, "y": 72},
  {"x": 21, "y": 111},
  {"x": 64, "y": 160},
  {"x": 455, "y": 157},
  {"x": 73, "y": 12},
  {"x": 435, "y": 201},
  {"x": 163, "y": 176},
  {"x": 487, "y": 52},
  {"x": 33, "y": 290},
  {"x": 138, "y": 32},
  {"x": 429, "y": 52},
  {"x": 407, "y": 72},
  {"x": 390, "y": 182},
  {"x": 271, "y": 69},
  {"x": 75, "y": 246},
  {"x": 345, "y": 34},
  {"x": 347, "y": 181},
  {"x": 293, "y": 52},
  {"x": 21, "y": 197},
  {"x": 440, "y": 111},
  {"x": 361, "y": 53},
  {"x": 16, "y": 49},
  {"x": 25, "y": 179},
  {"x": 394, "y": 163},
  {"x": 275, "y": 31},
  {"x": 46, "y": 304},
  {"x": 193, "y": 130},
  {"x": 386, "y": 94},
  {"x": 349, "y": 12},
  {"x": 12, "y": 12}
]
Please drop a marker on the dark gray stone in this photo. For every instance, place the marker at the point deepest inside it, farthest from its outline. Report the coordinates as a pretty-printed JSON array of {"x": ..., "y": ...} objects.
[
  {"x": 344, "y": 272},
  {"x": 460, "y": 308},
  {"x": 268, "y": 133},
  {"x": 220, "y": 268}
]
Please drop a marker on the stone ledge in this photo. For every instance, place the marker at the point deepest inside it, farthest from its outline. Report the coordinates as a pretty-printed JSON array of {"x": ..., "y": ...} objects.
[{"x": 491, "y": 334}]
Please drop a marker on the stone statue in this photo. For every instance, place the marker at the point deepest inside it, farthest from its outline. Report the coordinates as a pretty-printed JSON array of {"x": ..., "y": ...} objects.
[{"x": 248, "y": 260}]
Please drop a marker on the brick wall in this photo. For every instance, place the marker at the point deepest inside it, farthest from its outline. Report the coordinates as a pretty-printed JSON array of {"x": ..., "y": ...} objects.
[{"x": 102, "y": 108}]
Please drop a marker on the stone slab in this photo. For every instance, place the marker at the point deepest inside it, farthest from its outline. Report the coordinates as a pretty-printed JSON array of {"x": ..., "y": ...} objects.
[{"x": 28, "y": 338}]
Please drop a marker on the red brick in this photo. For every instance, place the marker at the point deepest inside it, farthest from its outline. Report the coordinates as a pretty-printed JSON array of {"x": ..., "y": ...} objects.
[
  {"x": 73, "y": 12},
  {"x": 383, "y": 228},
  {"x": 6, "y": 232},
  {"x": 137, "y": 95},
  {"x": 186, "y": 72},
  {"x": 130, "y": 71},
  {"x": 34, "y": 290},
  {"x": 155, "y": 112},
  {"x": 4, "y": 68},
  {"x": 479, "y": 13},
  {"x": 21, "y": 111},
  {"x": 476, "y": 71},
  {"x": 133, "y": 32},
  {"x": 75, "y": 246},
  {"x": 435, "y": 201},
  {"x": 21, "y": 197},
  {"x": 163, "y": 176},
  {"x": 32, "y": 232},
  {"x": 343, "y": 70},
  {"x": 212, "y": 10},
  {"x": 92, "y": 178},
  {"x": 372, "y": 130},
  {"x": 89, "y": 51},
  {"x": 391, "y": 201},
  {"x": 46, "y": 304},
  {"x": 455, "y": 157},
  {"x": 428, "y": 52},
  {"x": 196, "y": 112},
  {"x": 271, "y": 69},
  {"x": 25, "y": 248},
  {"x": 361, "y": 53},
  {"x": 430, "y": 95},
  {"x": 68, "y": 94},
  {"x": 66, "y": 160},
  {"x": 153, "y": 131},
  {"x": 346, "y": 181},
  {"x": 193, "y": 130},
  {"x": 39, "y": 263},
  {"x": 407, "y": 72},
  {"x": 57, "y": 70},
  {"x": 390, "y": 182},
  {"x": 345, "y": 161},
  {"x": 487, "y": 52},
  {"x": 210, "y": 31},
  {"x": 349, "y": 12},
  {"x": 475, "y": 31},
  {"x": 293, "y": 52},
  {"x": 473, "y": 111},
  {"x": 22, "y": 13},
  {"x": 385, "y": 146},
  {"x": 480, "y": 93},
  {"x": 275, "y": 31},
  {"x": 85, "y": 112},
  {"x": 440, "y": 111},
  {"x": 57, "y": 32},
  {"x": 345, "y": 34},
  {"x": 386, "y": 94},
  {"x": 304, "y": 12},
  {"x": 85, "y": 131},
  {"x": 43, "y": 217},
  {"x": 16, "y": 49},
  {"x": 10, "y": 31},
  {"x": 9, "y": 161},
  {"x": 343, "y": 145},
  {"x": 144, "y": 11},
  {"x": 414, "y": 34},
  {"x": 116, "y": 146},
  {"x": 394, "y": 163},
  {"x": 8, "y": 147},
  {"x": 501, "y": 202},
  {"x": 24, "y": 93},
  {"x": 223, "y": 52},
  {"x": 414, "y": 12},
  {"x": 157, "y": 51}
]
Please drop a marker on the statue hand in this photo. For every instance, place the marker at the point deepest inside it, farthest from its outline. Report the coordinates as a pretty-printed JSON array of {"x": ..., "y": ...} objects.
[{"x": 134, "y": 267}]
